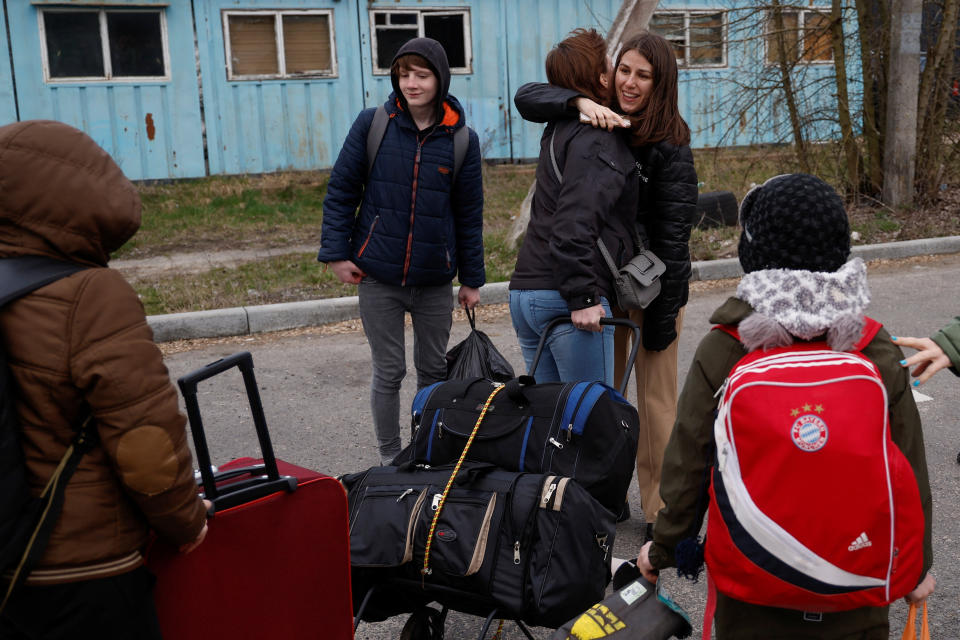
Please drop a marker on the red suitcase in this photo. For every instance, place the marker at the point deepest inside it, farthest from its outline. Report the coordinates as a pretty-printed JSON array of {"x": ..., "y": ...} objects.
[{"x": 276, "y": 559}]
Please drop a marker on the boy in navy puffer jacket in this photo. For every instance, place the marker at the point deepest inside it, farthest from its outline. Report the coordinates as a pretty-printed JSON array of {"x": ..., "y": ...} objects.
[{"x": 418, "y": 226}]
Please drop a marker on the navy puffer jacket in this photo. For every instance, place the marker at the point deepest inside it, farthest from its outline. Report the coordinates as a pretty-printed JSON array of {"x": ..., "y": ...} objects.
[{"x": 415, "y": 227}]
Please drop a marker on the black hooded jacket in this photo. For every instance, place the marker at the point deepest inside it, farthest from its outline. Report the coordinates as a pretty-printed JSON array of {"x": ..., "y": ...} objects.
[
  {"x": 597, "y": 198},
  {"x": 665, "y": 207}
]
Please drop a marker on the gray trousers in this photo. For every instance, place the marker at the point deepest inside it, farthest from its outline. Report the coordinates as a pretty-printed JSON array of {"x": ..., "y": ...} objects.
[{"x": 382, "y": 308}]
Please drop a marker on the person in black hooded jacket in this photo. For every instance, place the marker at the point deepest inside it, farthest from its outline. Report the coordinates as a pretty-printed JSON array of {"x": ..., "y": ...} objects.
[
  {"x": 419, "y": 224},
  {"x": 645, "y": 90},
  {"x": 584, "y": 191}
]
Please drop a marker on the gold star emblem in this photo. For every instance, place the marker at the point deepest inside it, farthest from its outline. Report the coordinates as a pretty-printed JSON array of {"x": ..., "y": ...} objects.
[
  {"x": 819, "y": 408},
  {"x": 807, "y": 407},
  {"x": 795, "y": 413}
]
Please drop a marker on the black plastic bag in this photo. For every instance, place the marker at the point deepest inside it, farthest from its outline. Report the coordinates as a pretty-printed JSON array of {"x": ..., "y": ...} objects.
[{"x": 476, "y": 357}]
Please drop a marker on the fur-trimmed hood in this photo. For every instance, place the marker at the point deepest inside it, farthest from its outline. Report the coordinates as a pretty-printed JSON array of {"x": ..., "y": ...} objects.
[{"x": 793, "y": 304}]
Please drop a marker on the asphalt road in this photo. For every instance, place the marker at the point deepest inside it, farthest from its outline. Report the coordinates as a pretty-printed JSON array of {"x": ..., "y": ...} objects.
[{"x": 314, "y": 388}]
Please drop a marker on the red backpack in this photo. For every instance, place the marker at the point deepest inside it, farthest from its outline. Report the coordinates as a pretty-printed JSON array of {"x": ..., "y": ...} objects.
[{"x": 812, "y": 505}]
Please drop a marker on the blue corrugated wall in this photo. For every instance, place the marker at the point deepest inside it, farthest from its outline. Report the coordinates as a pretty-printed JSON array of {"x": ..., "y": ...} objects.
[
  {"x": 152, "y": 129},
  {"x": 155, "y": 129},
  {"x": 8, "y": 104},
  {"x": 271, "y": 125}
]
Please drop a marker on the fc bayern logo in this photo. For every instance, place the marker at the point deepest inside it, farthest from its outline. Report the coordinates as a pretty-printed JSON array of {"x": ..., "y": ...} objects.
[{"x": 809, "y": 433}]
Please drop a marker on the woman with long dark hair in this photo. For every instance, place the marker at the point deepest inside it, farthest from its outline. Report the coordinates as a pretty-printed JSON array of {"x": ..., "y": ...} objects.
[{"x": 644, "y": 89}]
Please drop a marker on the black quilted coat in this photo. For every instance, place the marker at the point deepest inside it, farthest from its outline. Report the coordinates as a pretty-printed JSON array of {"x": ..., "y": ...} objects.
[{"x": 666, "y": 207}]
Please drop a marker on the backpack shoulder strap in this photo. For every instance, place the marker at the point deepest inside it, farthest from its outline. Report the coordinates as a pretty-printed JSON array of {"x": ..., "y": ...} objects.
[
  {"x": 728, "y": 329},
  {"x": 20, "y": 276},
  {"x": 375, "y": 135},
  {"x": 461, "y": 140},
  {"x": 553, "y": 158},
  {"x": 870, "y": 329}
]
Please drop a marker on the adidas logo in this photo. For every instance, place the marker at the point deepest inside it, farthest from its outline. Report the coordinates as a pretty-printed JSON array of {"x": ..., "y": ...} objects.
[{"x": 862, "y": 542}]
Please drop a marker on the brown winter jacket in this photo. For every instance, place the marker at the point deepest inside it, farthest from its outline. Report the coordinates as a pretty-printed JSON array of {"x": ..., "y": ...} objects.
[{"x": 82, "y": 344}]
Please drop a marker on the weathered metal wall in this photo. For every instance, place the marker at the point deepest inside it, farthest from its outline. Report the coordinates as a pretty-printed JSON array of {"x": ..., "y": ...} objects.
[
  {"x": 8, "y": 103},
  {"x": 533, "y": 27},
  {"x": 152, "y": 129},
  {"x": 736, "y": 105},
  {"x": 155, "y": 129},
  {"x": 269, "y": 125}
]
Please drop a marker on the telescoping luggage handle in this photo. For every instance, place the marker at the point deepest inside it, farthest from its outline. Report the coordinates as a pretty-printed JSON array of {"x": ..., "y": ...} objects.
[
  {"x": 614, "y": 321},
  {"x": 265, "y": 478}
]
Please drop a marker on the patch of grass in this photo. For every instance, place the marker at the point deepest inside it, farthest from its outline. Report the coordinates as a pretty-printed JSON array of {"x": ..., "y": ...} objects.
[
  {"x": 285, "y": 209},
  {"x": 229, "y": 212},
  {"x": 714, "y": 244},
  {"x": 287, "y": 278}
]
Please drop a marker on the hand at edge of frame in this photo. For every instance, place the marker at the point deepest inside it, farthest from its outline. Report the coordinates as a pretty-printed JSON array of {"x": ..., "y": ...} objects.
[{"x": 928, "y": 360}]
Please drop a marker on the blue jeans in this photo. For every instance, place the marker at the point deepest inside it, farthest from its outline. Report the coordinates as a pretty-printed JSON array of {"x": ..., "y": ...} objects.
[{"x": 570, "y": 354}]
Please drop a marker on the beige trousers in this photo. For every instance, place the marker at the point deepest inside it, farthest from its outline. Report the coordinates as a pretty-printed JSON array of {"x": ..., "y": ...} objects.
[{"x": 655, "y": 373}]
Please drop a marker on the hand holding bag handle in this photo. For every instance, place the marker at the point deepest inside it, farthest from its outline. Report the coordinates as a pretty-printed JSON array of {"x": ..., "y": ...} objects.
[
  {"x": 910, "y": 631},
  {"x": 603, "y": 321}
]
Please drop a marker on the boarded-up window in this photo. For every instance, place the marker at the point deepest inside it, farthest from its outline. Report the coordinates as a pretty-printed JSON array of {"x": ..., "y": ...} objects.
[
  {"x": 805, "y": 37},
  {"x": 279, "y": 44},
  {"x": 450, "y": 27},
  {"x": 306, "y": 44},
  {"x": 253, "y": 45},
  {"x": 103, "y": 44},
  {"x": 697, "y": 37},
  {"x": 816, "y": 37}
]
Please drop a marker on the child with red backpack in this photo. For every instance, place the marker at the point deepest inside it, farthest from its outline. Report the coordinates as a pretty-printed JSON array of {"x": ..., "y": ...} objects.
[{"x": 799, "y": 418}]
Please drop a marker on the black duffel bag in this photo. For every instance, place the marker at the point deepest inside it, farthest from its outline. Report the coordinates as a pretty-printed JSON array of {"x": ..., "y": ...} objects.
[
  {"x": 583, "y": 430},
  {"x": 535, "y": 547}
]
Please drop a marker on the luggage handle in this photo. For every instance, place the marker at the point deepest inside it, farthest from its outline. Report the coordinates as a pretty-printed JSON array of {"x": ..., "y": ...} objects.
[
  {"x": 625, "y": 322},
  {"x": 254, "y": 488}
]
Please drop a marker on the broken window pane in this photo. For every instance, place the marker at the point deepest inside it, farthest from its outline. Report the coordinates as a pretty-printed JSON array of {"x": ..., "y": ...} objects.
[
  {"x": 136, "y": 45},
  {"x": 448, "y": 31},
  {"x": 790, "y": 35},
  {"x": 706, "y": 38},
  {"x": 306, "y": 44},
  {"x": 403, "y": 18},
  {"x": 253, "y": 45},
  {"x": 74, "y": 48},
  {"x": 389, "y": 42}
]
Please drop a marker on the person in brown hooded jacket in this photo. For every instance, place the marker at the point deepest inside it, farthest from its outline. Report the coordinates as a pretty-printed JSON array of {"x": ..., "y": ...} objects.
[{"x": 81, "y": 346}]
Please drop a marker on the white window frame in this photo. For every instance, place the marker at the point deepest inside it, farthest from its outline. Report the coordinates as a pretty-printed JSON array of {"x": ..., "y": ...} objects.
[
  {"x": 420, "y": 11},
  {"x": 801, "y": 34},
  {"x": 281, "y": 54},
  {"x": 105, "y": 45},
  {"x": 687, "y": 14}
]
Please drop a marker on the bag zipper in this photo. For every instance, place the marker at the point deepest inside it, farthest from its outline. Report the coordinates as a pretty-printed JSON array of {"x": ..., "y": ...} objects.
[{"x": 576, "y": 408}]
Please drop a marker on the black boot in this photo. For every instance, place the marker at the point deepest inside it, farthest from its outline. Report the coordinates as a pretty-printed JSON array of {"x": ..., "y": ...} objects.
[{"x": 625, "y": 514}]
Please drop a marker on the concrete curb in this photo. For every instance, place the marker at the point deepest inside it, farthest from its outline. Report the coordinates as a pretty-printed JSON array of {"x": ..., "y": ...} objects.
[{"x": 291, "y": 315}]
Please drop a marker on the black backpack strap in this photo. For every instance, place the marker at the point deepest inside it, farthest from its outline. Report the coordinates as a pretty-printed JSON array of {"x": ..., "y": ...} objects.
[
  {"x": 50, "y": 505},
  {"x": 20, "y": 276},
  {"x": 461, "y": 140},
  {"x": 375, "y": 136}
]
